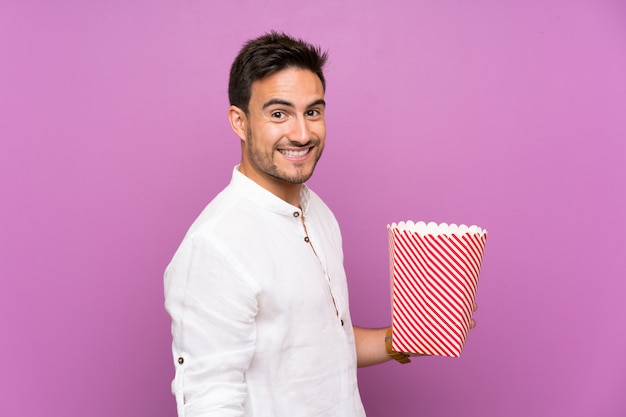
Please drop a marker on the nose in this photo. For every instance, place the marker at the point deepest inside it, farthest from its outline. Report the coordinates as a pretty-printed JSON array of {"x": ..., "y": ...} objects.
[{"x": 300, "y": 132}]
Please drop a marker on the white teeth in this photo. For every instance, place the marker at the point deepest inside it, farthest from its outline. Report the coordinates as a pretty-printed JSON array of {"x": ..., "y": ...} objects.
[{"x": 294, "y": 154}]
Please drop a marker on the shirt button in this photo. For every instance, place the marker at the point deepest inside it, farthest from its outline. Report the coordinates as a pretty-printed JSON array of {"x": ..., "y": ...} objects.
[
  {"x": 181, "y": 361},
  {"x": 296, "y": 214},
  {"x": 342, "y": 322},
  {"x": 306, "y": 239}
]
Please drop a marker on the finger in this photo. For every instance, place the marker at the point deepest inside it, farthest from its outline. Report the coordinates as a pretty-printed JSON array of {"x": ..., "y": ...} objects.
[
  {"x": 472, "y": 324},
  {"x": 475, "y": 307}
]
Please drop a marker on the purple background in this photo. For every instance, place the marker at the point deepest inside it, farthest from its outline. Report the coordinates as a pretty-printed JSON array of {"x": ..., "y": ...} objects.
[{"x": 509, "y": 115}]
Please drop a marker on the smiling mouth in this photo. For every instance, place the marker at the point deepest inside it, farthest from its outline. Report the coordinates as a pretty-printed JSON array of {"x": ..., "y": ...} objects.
[{"x": 289, "y": 153}]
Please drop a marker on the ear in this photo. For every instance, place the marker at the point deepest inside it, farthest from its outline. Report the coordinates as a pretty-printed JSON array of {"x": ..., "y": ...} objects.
[{"x": 238, "y": 122}]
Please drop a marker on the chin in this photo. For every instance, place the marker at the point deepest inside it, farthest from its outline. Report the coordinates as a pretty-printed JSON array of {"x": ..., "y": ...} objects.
[{"x": 299, "y": 178}]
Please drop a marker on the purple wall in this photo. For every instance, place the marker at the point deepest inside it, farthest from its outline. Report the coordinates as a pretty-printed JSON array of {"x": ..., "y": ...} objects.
[{"x": 509, "y": 115}]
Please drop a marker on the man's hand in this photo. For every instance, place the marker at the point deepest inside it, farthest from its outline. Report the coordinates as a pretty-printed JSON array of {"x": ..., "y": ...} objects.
[{"x": 473, "y": 322}]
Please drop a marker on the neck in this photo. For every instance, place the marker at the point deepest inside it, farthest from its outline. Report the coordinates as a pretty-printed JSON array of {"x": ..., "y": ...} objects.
[
  {"x": 281, "y": 189},
  {"x": 290, "y": 194}
]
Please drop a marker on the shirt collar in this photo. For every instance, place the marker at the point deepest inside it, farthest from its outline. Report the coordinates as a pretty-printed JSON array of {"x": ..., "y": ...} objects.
[{"x": 265, "y": 198}]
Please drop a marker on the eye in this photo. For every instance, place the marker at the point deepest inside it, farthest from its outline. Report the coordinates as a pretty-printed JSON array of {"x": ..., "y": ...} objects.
[
  {"x": 313, "y": 113},
  {"x": 278, "y": 114}
]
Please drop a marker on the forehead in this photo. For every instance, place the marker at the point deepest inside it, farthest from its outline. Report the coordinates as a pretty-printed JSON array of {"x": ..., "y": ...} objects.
[{"x": 293, "y": 84}]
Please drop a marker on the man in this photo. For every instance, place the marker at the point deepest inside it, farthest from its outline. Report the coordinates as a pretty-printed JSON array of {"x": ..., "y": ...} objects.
[{"x": 257, "y": 290}]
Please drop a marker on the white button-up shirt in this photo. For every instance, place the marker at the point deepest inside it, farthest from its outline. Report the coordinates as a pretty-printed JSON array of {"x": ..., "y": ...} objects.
[{"x": 259, "y": 310}]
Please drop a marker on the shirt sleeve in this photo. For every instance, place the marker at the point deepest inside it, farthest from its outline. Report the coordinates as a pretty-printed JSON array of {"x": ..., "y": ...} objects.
[{"x": 213, "y": 305}]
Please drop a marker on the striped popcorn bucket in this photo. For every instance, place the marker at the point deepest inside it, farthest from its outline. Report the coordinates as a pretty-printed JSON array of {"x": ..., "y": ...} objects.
[{"x": 434, "y": 272}]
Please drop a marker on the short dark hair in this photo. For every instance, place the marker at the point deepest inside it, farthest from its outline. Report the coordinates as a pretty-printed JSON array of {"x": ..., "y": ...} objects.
[{"x": 266, "y": 55}]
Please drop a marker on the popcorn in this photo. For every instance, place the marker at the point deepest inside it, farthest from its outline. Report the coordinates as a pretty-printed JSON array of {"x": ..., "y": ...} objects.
[{"x": 434, "y": 272}]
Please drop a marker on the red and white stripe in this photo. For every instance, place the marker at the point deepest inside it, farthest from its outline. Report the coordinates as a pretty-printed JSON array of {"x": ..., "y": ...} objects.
[{"x": 434, "y": 282}]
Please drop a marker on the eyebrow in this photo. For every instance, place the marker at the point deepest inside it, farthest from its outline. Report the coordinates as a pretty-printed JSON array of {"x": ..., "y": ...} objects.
[{"x": 277, "y": 101}]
